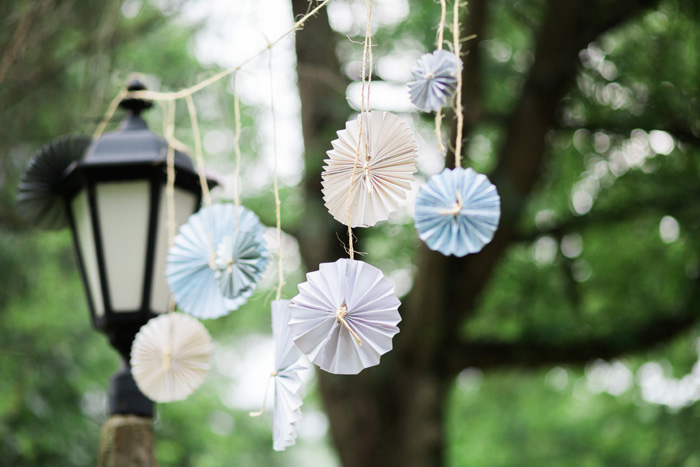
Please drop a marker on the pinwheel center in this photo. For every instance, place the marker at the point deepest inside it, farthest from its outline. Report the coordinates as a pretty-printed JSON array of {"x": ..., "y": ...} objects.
[
  {"x": 167, "y": 360},
  {"x": 340, "y": 315},
  {"x": 368, "y": 179},
  {"x": 456, "y": 208},
  {"x": 229, "y": 265},
  {"x": 341, "y": 312},
  {"x": 430, "y": 75}
]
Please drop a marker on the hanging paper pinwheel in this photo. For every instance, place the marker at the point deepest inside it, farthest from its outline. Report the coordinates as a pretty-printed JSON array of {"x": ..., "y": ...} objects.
[
  {"x": 345, "y": 316},
  {"x": 457, "y": 212},
  {"x": 287, "y": 382},
  {"x": 435, "y": 77},
  {"x": 383, "y": 169},
  {"x": 170, "y": 357},
  {"x": 241, "y": 259},
  {"x": 193, "y": 270},
  {"x": 38, "y": 198}
]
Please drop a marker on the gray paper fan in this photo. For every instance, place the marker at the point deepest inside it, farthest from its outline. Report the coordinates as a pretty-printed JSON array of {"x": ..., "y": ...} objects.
[
  {"x": 435, "y": 80},
  {"x": 38, "y": 198}
]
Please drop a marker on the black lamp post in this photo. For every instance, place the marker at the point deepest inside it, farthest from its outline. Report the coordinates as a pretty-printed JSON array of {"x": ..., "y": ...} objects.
[{"x": 116, "y": 203}]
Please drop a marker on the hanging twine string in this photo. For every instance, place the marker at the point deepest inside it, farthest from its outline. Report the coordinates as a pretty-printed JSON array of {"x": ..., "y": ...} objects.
[
  {"x": 440, "y": 40},
  {"x": 364, "y": 107},
  {"x": 237, "y": 147},
  {"x": 267, "y": 387},
  {"x": 181, "y": 94},
  {"x": 110, "y": 113},
  {"x": 169, "y": 131},
  {"x": 278, "y": 210},
  {"x": 192, "y": 110},
  {"x": 457, "y": 45}
]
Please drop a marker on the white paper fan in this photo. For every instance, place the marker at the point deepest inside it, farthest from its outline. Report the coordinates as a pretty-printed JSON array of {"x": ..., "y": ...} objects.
[
  {"x": 384, "y": 172},
  {"x": 287, "y": 412},
  {"x": 339, "y": 306},
  {"x": 170, "y": 357},
  {"x": 192, "y": 271}
]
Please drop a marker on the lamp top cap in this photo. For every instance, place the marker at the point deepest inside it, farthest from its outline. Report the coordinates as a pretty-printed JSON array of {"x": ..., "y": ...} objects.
[{"x": 133, "y": 104}]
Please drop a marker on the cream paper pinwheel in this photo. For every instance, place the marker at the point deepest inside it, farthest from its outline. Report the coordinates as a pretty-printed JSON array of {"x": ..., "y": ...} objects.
[
  {"x": 383, "y": 170},
  {"x": 345, "y": 316},
  {"x": 170, "y": 357},
  {"x": 288, "y": 402}
]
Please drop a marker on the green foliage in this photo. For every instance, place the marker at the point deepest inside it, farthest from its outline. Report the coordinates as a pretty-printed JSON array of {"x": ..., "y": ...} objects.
[{"x": 641, "y": 77}]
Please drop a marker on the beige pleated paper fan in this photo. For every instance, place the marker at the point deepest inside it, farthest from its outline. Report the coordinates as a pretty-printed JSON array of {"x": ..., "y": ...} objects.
[
  {"x": 383, "y": 174},
  {"x": 170, "y": 357}
]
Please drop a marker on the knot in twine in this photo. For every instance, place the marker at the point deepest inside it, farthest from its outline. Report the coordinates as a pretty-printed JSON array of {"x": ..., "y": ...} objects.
[
  {"x": 340, "y": 315},
  {"x": 456, "y": 207}
]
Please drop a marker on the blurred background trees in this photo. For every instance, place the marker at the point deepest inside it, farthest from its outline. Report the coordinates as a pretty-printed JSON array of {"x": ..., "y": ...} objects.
[{"x": 571, "y": 339}]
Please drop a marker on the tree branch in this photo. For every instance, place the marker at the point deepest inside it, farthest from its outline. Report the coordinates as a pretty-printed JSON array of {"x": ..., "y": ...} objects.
[
  {"x": 663, "y": 204},
  {"x": 534, "y": 353}
]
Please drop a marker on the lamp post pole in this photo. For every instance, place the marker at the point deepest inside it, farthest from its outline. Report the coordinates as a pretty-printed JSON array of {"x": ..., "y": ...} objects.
[
  {"x": 116, "y": 204},
  {"x": 112, "y": 193},
  {"x": 127, "y": 440}
]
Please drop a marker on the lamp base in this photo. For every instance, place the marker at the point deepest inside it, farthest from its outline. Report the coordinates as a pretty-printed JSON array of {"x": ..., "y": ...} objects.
[{"x": 125, "y": 398}]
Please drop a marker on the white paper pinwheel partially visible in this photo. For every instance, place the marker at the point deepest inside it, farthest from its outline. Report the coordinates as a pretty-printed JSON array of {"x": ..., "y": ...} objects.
[
  {"x": 383, "y": 170},
  {"x": 435, "y": 77},
  {"x": 345, "y": 316},
  {"x": 457, "y": 212},
  {"x": 287, "y": 381},
  {"x": 192, "y": 271},
  {"x": 170, "y": 357}
]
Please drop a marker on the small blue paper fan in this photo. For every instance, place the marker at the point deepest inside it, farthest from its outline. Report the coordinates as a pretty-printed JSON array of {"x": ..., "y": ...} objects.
[
  {"x": 435, "y": 77},
  {"x": 192, "y": 270},
  {"x": 241, "y": 259},
  {"x": 457, "y": 212}
]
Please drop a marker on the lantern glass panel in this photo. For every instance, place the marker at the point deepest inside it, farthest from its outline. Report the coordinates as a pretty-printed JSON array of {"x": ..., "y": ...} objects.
[
  {"x": 124, "y": 209},
  {"x": 185, "y": 205},
  {"x": 86, "y": 243}
]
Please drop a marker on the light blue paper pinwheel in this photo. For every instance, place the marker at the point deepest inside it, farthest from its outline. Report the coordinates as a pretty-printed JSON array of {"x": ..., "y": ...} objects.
[
  {"x": 192, "y": 271},
  {"x": 435, "y": 80},
  {"x": 241, "y": 259},
  {"x": 457, "y": 212}
]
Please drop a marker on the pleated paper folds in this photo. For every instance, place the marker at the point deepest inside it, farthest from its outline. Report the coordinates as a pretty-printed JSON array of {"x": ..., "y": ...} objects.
[
  {"x": 341, "y": 295},
  {"x": 39, "y": 200},
  {"x": 287, "y": 412},
  {"x": 457, "y": 212},
  {"x": 435, "y": 82},
  {"x": 170, "y": 357},
  {"x": 206, "y": 284},
  {"x": 383, "y": 169}
]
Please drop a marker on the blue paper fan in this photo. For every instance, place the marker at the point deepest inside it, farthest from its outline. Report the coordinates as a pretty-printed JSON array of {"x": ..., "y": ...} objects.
[
  {"x": 192, "y": 269},
  {"x": 241, "y": 259},
  {"x": 435, "y": 80},
  {"x": 457, "y": 212}
]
